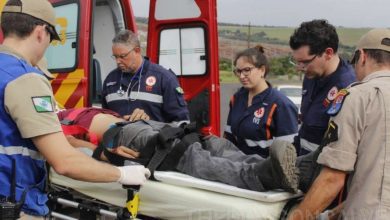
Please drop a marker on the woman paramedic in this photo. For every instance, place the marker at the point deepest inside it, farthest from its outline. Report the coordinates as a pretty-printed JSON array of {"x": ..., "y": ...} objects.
[{"x": 258, "y": 113}]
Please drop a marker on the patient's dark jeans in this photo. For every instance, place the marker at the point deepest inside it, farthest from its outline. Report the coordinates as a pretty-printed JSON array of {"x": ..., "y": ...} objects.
[
  {"x": 218, "y": 161},
  {"x": 221, "y": 161}
]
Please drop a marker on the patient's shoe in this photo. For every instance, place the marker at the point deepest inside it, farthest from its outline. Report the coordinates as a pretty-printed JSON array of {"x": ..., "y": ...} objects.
[{"x": 279, "y": 170}]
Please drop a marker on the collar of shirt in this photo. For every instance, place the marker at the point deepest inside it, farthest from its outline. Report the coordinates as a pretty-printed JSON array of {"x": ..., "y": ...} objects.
[
  {"x": 12, "y": 52},
  {"x": 261, "y": 97},
  {"x": 377, "y": 74},
  {"x": 322, "y": 82}
]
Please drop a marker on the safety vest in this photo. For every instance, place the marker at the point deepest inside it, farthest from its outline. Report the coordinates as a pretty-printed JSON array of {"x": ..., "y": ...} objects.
[{"x": 30, "y": 165}]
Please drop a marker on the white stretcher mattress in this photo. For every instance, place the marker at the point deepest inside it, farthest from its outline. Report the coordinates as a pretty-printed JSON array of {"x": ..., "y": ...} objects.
[{"x": 181, "y": 196}]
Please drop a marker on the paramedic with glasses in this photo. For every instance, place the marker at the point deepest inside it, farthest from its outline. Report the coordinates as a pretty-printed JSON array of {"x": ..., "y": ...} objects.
[
  {"x": 314, "y": 45},
  {"x": 30, "y": 132},
  {"x": 258, "y": 113},
  {"x": 139, "y": 89}
]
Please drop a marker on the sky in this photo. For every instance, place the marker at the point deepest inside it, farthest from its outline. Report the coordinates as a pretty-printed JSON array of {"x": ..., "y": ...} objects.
[{"x": 346, "y": 13}]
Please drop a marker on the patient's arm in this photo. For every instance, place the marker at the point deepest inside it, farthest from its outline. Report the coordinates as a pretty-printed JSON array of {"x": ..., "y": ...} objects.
[
  {"x": 120, "y": 150},
  {"x": 125, "y": 152}
]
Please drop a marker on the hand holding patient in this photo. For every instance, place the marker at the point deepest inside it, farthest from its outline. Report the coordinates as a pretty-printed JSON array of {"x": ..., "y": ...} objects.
[{"x": 138, "y": 114}]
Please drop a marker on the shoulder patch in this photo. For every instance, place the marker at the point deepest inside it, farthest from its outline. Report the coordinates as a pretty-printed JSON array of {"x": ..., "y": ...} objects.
[
  {"x": 179, "y": 90},
  {"x": 332, "y": 94},
  {"x": 43, "y": 104},
  {"x": 337, "y": 102}
]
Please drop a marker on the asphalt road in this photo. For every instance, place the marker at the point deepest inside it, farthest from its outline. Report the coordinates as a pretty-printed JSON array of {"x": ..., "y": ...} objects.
[{"x": 227, "y": 90}]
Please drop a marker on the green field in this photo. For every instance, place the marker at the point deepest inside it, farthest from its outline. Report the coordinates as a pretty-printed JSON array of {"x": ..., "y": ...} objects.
[
  {"x": 348, "y": 36},
  {"x": 228, "y": 77}
]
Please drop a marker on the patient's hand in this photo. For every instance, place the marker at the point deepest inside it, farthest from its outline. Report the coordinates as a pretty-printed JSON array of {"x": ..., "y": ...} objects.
[
  {"x": 137, "y": 114},
  {"x": 125, "y": 152}
]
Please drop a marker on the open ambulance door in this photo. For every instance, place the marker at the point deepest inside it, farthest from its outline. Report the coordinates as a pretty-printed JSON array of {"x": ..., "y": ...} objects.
[
  {"x": 182, "y": 36},
  {"x": 82, "y": 59}
]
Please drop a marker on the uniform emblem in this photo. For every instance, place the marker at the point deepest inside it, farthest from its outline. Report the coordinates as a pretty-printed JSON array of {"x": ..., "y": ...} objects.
[
  {"x": 259, "y": 112},
  {"x": 332, "y": 93},
  {"x": 43, "y": 104},
  {"x": 179, "y": 90},
  {"x": 151, "y": 81},
  {"x": 337, "y": 102}
]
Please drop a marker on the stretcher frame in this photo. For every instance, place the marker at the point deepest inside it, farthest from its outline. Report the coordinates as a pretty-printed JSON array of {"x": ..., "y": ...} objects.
[{"x": 226, "y": 207}]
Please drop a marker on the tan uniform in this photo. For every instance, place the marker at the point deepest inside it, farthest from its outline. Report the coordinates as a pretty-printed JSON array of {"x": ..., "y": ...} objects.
[
  {"x": 21, "y": 99},
  {"x": 363, "y": 148}
]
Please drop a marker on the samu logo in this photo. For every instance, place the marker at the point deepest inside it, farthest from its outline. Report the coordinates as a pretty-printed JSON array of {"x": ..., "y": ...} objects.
[{"x": 258, "y": 115}]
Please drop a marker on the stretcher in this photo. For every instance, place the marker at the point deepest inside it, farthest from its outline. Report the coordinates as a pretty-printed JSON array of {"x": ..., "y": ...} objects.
[{"x": 179, "y": 196}]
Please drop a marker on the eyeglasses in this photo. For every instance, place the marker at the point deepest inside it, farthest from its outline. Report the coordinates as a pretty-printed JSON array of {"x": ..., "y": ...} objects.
[
  {"x": 302, "y": 63},
  {"x": 355, "y": 58},
  {"x": 121, "y": 56},
  {"x": 51, "y": 33},
  {"x": 244, "y": 71}
]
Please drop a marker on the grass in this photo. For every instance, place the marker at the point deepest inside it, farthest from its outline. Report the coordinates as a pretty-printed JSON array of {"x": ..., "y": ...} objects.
[
  {"x": 348, "y": 36},
  {"x": 228, "y": 77}
]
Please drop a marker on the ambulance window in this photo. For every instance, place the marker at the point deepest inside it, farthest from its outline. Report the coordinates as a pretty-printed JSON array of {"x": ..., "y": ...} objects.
[
  {"x": 182, "y": 9},
  {"x": 61, "y": 55},
  {"x": 183, "y": 51}
]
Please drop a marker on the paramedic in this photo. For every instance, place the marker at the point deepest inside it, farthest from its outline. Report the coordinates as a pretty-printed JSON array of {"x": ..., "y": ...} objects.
[
  {"x": 358, "y": 145},
  {"x": 258, "y": 113},
  {"x": 138, "y": 88},
  {"x": 314, "y": 46},
  {"x": 30, "y": 132},
  {"x": 211, "y": 158}
]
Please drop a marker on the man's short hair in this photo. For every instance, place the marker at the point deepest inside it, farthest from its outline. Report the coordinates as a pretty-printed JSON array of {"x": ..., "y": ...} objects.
[
  {"x": 317, "y": 34},
  {"x": 126, "y": 37},
  {"x": 376, "y": 43},
  {"x": 20, "y": 17}
]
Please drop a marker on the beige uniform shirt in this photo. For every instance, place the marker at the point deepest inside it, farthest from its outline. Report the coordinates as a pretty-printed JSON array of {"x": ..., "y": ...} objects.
[
  {"x": 361, "y": 148},
  {"x": 30, "y": 103}
]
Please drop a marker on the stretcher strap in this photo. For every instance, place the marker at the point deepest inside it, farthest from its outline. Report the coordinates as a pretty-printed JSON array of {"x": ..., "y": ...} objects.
[
  {"x": 78, "y": 130},
  {"x": 69, "y": 128}
]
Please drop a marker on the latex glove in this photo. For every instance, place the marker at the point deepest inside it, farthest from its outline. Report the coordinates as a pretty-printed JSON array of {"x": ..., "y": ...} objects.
[{"x": 133, "y": 175}]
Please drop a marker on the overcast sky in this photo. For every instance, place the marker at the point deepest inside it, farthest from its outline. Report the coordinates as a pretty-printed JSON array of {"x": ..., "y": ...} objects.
[{"x": 347, "y": 13}]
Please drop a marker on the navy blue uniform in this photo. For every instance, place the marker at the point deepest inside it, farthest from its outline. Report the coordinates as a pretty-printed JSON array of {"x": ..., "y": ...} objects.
[
  {"x": 153, "y": 89},
  {"x": 271, "y": 116},
  {"x": 317, "y": 95}
]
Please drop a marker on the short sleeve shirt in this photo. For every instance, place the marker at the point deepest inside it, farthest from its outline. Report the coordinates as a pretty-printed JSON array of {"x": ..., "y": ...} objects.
[
  {"x": 360, "y": 146},
  {"x": 29, "y": 101}
]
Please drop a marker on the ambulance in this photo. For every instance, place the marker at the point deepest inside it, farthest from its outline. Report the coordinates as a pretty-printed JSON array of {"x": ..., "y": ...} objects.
[{"x": 181, "y": 35}]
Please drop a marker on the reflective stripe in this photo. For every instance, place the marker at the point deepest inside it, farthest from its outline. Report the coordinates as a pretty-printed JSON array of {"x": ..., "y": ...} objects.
[
  {"x": 135, "y": 96},
  {"x": 262, "y": 144},
  {"x": 228, "y": 129},
  {"x": 21, "y": 150},
  {"x": 267, "y": 143},
  {"x": 179, "y": 123},
  {"x": 115, "y": 97},
  {"x": 146, "y": 97},
  {"x": 288, "y": 138},
  {"x": 305, "y": 144}
]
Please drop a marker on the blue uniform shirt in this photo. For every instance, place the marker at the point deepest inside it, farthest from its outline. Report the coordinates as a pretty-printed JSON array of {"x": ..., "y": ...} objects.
[
  {"x": 317, "y": 95},
  {"x": 271, "y": 116},
  {"x": 30, "y": 172},
  {"x": 153, "y": 89}
]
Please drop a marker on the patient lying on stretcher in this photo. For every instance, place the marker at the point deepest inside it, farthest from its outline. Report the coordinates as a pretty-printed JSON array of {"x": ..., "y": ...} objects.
[{"x": 211, "y": 158}]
